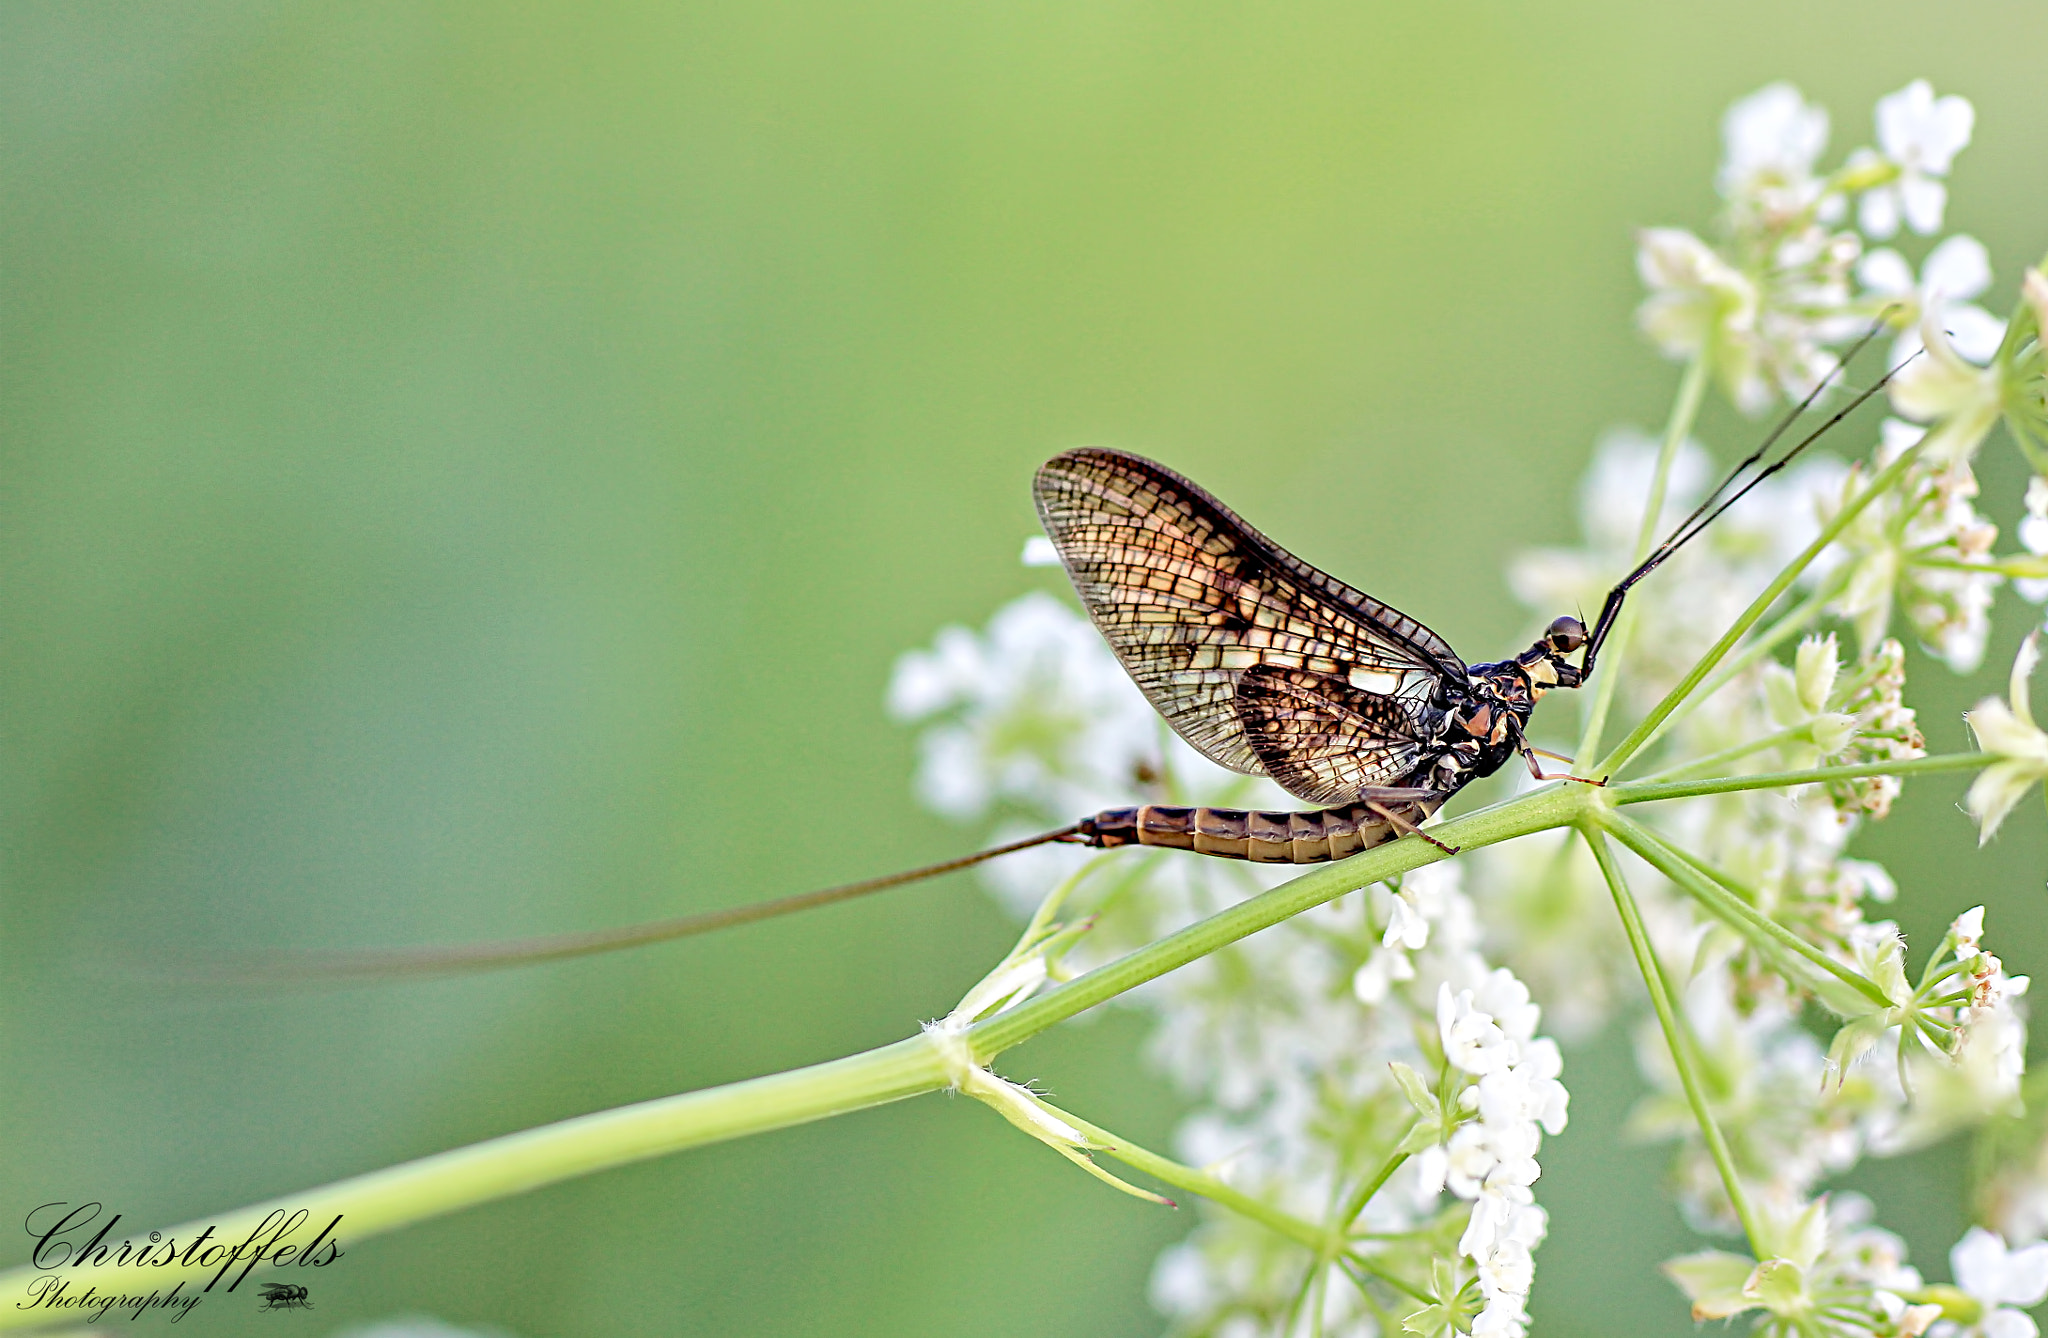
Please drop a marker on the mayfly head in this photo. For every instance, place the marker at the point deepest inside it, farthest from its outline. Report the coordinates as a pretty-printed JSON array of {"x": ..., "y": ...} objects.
[{"x": 1545, "y": 665}]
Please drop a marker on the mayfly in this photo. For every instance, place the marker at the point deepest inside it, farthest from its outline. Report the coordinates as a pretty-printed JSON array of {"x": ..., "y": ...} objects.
[{"x": 1262, "y": 663}]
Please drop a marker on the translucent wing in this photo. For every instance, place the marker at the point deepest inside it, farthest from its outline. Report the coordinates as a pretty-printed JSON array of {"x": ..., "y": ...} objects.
[
  {"x": 1191, "y": 598},
  {"x": 1325, "y": 741}
]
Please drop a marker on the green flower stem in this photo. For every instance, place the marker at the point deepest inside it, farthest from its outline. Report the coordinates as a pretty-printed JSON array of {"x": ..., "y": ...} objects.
[
  {"x": 1642, "y": 733},
  {"x": 1385, "y": 1322},
  {"x": 1665, "y": 1000},
  {"x": 1301, "y": 1296},
  {"x": 1363, "y": 1194},
  {"x": 1643, "y": 792},
  {"x": 1724, "y": 898},
  {"x": 1366, "y": 1266},
  {"x": 1691, "y": 391},
  {"x": 1798, "y": 620},
  {"x": 2024, "y": 566},
  {"x": 1180, "y": 1176},
  {"x": 1800, "y": 733},
  {"x": 500, "y": 1167}
]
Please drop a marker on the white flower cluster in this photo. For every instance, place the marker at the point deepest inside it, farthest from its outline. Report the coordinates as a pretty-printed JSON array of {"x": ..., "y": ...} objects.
[
  {"x": 1831, "y": 1272},
  {"x": 1788, "y": 849},
  {"x": 1332, "y": 1114},
  {"x": 1490, "y": 1034},
  {"x": 1921, "y": 554},
  {"x": 1033, "y": 714},
  {"x": 1922, "y": 549},
  {"x": 1788, "y": 282},
  {"x": 1283, "y": 1040}
]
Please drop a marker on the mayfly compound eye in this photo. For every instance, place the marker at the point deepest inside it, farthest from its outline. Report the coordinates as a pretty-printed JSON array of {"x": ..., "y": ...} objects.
[{"x": 1566, "y": 635}]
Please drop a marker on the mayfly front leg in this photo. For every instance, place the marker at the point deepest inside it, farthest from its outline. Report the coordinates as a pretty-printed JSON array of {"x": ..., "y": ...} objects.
[{"x": 1530, "y": 753}]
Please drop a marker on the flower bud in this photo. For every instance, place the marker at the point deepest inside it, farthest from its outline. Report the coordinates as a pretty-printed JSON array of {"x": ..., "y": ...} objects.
[{"x": 1814, "y": 671}]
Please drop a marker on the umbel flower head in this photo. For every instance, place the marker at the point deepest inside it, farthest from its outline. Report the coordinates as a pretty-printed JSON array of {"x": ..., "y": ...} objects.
[
  {"x": 1824, "y": 1272},
  {"x": 1765, "y": 301},
  {"x": 1923, "y": 550},
  {"x": 1288, "y": 1043}
]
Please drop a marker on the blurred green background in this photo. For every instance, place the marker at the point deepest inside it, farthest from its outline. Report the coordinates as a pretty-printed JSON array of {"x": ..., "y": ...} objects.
[{"x": 469, "y": 469}]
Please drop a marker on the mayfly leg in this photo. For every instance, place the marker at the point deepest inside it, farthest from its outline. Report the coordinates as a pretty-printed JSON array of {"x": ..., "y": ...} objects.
[
  {"x": 1407, "y": 828},
  {"x": 1530, "y": 753}
]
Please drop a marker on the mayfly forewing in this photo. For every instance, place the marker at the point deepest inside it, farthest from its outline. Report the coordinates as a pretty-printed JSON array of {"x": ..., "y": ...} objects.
[{"x": 1191, "y": 599}]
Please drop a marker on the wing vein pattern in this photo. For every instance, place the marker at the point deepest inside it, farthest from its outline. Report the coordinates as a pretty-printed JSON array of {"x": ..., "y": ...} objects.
[{"x": 1260, "y": 661}]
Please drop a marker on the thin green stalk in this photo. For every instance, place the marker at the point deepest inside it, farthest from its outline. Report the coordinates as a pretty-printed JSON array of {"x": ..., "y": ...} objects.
[
  {"x": 1367, "y": 1267},
  {"x": 1363, "y": 1194},
  {"x": 1641, "y": 734},
  {"x": 1308, "y": 1281},
  {"x": 1385, "y": 1322},
  {"x": 1691, "y": 391},
  {"x": 1719, "y": 894},
  {"x": 1643, "y": 792},
  {"x": 1798, "y": 620},
  {"x": 1664, "y": 999},
  {"x": 1714, "y": 761},
  {"x": 2023, "y": 566}
]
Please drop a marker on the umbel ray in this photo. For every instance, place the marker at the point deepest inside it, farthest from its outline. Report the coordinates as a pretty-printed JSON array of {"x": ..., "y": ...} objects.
[{"x": 1261, "y": 662}]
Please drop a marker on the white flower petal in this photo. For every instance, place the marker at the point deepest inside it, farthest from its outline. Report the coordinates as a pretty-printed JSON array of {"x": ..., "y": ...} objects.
[
  {"x": 1975, "y": 332},
  {"x": 2025, "y": 1280},
  {"x": 1885, "y": 271},
  {"x": 1816, "y": 665},
  {"x": 1039, "y": 552},
  {"x": 1924, "y": 201},
  {"x": 1877, "y": 213},
  {"x": 1958, "y": 269},
  {"x": 2007, "y": 1324}
]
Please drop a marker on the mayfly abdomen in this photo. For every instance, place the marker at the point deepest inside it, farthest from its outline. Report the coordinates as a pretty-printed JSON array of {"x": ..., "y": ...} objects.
[{"x": 1263, "y": 836}]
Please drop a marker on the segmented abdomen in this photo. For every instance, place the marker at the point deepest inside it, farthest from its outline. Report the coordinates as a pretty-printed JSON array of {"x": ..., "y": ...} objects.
[{"x": 1259, "y": 835}]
